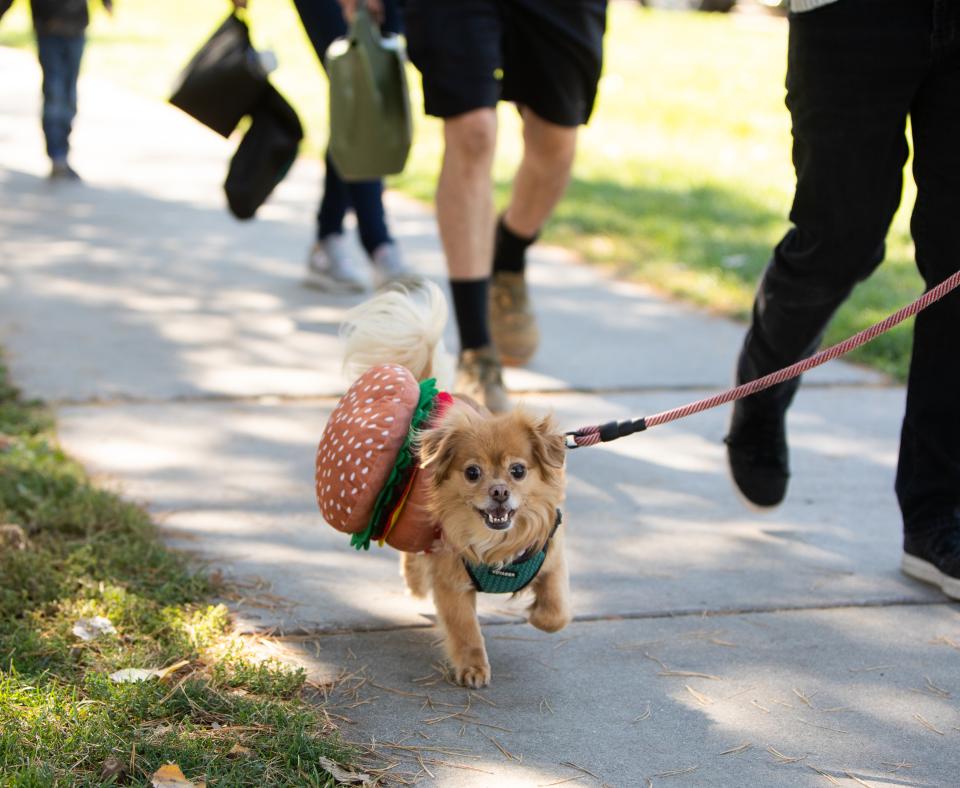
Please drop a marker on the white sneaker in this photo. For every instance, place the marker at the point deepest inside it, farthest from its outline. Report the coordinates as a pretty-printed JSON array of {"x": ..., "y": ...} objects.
[
  {"x": 389, "y": 265},
  {"x": 333, "y": 268}
]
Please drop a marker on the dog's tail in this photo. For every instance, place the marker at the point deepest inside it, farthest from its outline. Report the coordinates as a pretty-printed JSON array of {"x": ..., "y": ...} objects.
[{"x": 403, "y": 325}]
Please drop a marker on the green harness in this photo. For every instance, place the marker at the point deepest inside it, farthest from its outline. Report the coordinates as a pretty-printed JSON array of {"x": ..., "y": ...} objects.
[{"x": 513, "y": 577}]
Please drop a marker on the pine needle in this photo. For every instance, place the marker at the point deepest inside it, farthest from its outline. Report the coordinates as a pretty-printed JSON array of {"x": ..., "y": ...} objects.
[
  {"x": 822, "y": 773},
  {"x": 740, "y": 748},
  {"x": 821, "y": 727},
  {"x": 700, "y": 698},
  {"x": 935, "y": 689},
  {"x": 943, "y": 640},
  {"x": 647, "y": 713},
  {"x": 895, "y": 767},
  {"x": 803, "y": 698},
  {"x": 689, "y": 674},
  {"x": 660, "y": 662},
  {"x": 781, "y": 758},
  {"x": 857, "y": 779},
  {"x": 572, "y": 765},
  {"x": 870, "y": 669},
  {"x": 677, "y": 772},
  {"x": 507, "y": 754},
  {"x": 927, "y": 724},
  {"x": 560, "y": 782}
]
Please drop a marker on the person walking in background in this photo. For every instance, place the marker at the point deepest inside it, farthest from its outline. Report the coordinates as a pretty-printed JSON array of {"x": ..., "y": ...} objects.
[
  {"x": 331, "y": 264},
  {"x": 60, "y": 27},
  {"x": 545, "y": 56},
  {"x": 857, "y": 70}
]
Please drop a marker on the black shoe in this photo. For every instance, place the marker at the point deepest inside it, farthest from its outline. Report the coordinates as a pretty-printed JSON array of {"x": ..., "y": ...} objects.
[
  {"x": 934, "y": 557},
  {"x": 61, "y": 171},
  {"x": 757, "y": 453}
]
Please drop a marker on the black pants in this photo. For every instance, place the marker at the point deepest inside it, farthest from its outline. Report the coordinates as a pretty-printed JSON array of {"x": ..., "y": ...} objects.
[
  {"x": 856, "y": 71},
  {"x": 323, "y": 22}
]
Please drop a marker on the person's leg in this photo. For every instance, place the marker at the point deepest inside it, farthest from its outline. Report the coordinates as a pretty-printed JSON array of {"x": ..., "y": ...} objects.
[
  {"x": 334, "y": 203},
  {"x": 464, "y": 218},
  {"x": 851, "y": 74},
  {"x": 366, "y": 198},
  {"x": 55, "y": 111},
  {"x": 331, "y": 265},
  {"x": 928, "y": 472},
  {"x": 553, "y": 54},
  {"x": 543, "y": 174},
  {"x": 457, "y": 48},
  {"x": 465, "y": 193},
  {"x": 73, "y": 55},
  {"x": 323, "y": 22},
  {"x": 540, "y": 181}
]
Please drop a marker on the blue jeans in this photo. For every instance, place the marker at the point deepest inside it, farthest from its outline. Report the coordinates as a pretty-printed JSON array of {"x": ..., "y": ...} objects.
[
  {"x": 856, "y": 71},
  {"x": 60, "y": 62},
  {"x": 323, "y": 22}
]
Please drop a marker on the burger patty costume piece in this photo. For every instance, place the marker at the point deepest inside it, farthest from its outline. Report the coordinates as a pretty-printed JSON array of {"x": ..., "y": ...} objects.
[{"x": 369, "y": 482}]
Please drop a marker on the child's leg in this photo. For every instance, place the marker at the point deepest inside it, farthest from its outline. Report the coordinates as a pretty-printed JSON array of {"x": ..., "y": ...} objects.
[
  {"x": 60, "y": 62},
  {"x": 333, "y": 204}
]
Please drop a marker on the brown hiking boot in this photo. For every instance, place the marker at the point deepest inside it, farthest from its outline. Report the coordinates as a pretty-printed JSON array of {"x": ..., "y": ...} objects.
[
  {"x": 513, "y": 325},
  {"x": 478, "y": 377}
]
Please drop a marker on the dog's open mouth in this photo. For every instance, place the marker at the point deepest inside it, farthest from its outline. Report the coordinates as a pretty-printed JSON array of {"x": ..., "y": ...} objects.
[{"x": 497, "y": 518}]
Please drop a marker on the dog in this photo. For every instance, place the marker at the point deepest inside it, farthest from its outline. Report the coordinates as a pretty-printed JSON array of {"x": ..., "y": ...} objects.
[{"x": 496, "y": 483}]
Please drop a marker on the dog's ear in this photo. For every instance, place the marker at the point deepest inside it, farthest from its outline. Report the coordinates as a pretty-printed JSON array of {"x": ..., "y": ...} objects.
[
  {"x": 437, "y": 451},
  {"x": 547, "y": 445}
]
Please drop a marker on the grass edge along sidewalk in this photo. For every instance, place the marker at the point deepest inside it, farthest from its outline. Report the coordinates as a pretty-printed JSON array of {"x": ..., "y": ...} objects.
[{"x": 71, "y": 551}]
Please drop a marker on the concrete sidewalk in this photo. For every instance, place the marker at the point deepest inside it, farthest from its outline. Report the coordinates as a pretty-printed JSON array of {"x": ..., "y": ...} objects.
[{"x": 191, "y": 370}]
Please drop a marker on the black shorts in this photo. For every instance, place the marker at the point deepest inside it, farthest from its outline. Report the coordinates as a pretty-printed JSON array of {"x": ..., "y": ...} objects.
[{"x": 543, "y": 54}]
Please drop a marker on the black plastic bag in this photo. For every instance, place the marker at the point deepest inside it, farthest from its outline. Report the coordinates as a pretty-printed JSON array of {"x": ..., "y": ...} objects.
[
  {"x": 224, "y": 80},
  {"x": 265, "y": 154}
]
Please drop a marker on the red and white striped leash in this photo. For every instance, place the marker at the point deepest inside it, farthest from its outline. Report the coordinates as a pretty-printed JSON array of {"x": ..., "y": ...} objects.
[{"x": 602, "y": 433}]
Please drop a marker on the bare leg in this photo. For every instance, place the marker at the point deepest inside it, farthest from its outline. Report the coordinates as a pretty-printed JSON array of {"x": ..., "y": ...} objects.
[
  {"x": 465, "y": 193},
  {"x": 543, "y": 175}
]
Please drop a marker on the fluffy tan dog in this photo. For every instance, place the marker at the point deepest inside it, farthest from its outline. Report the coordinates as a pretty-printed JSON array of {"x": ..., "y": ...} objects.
[{"x": 496, "y": 483}]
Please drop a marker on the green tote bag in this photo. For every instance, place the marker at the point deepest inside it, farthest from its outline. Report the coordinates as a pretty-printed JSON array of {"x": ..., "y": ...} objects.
[{"x": 370, "y": 122}]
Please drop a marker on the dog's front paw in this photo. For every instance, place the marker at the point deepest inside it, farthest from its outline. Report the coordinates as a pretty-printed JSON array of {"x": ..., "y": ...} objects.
[
  {"x": 473, "y": 676},
  {"x": 549, "y": 618}
]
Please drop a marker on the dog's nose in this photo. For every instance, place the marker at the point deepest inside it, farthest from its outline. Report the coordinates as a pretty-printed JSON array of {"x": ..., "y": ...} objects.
[{"x": 499, "y": 492}]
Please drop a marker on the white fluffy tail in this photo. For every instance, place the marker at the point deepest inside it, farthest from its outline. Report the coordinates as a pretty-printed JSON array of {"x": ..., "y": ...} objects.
[{"x": 402, "y": 325}]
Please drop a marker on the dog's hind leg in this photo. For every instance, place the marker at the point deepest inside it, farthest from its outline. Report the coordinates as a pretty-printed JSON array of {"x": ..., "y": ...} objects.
[{"x": 416, "y": 571}]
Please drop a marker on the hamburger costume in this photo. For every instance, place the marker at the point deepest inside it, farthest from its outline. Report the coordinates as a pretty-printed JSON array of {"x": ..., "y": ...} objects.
[{"x": 368, "y": 479}]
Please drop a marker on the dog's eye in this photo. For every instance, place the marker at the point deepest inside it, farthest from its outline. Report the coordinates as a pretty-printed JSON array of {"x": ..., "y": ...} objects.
[
  {"x": 473, "y": 473},
  {"x": 518, "y": 471}
]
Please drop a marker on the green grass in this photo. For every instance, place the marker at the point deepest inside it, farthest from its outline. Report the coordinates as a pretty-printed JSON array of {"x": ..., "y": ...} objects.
[
  {"x": 87, "y": 553},
  {"x": 683, "y": 177}
]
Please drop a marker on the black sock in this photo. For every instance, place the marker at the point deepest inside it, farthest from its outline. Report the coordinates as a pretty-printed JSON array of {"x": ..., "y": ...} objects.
[
  {"x": 510, "y": 249},
  {"x": 471, "y": 300}
]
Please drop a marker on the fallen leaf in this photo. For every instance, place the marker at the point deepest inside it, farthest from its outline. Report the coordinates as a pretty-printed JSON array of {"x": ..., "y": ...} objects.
[
  {"x": 164, "y": 672},
  {"x": 13, "y": 537},
  {"x": 91, "y": 628},
  {"x": 170, "y": 776},
  {"x": 238, "y": 750},
  {"x": 340, "y": 774},
  {"x": 111, "y": 768},
  {"x": 134, "y": 674}
]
